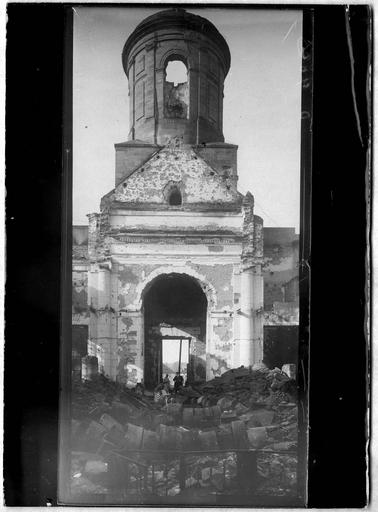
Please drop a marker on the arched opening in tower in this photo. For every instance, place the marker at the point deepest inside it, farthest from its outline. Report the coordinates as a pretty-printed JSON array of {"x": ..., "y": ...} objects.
[
  {"x": 176, "y": 72},
  {"x": 176, "y": 90},
  {"x": 175, "y": 312}
]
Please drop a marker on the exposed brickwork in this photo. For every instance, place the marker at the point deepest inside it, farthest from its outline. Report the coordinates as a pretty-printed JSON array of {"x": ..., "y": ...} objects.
[
  {"x": 131, "y": 155},
  {"x": 199, "y": 182},
  {"x": 222, "y": 157}
]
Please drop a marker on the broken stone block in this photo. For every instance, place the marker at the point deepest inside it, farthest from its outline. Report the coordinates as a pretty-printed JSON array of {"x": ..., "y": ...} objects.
[
  {"x": 225, "y": 403},
  {"x": 121, "y": 412},
  {"x": 105, "y": 448},
  {"x": 208, "y": 413},
  {"x": 259, "y": 367},
  {"x": 290, "y": 370},
  {"x": 199, "y": 412},
  {"x": 169, "y": 437},
  {"x": 173, "y": 408},
  {"x": 217, "y": 479},
  {"x": 190, "y": 482},
  {"x": 257, "y": 436},
  {"x": 94, "y": 436},
  {"x": 116, "y": 436},
  {"x": 188, "y": 417},
  {"x": 279, "y": 379},
  {"x": 216, "y": 410},
  {"x": 239, "y": 409},
  {"x": 239, "y": 433},
  {"x": 205, "y": 474},
  {"x": 208, "y": 440},
  {"x": 95, "y": 430},
  {"x": 95, "y": 467},
  {"x": 89, "y": 367},
  {"x": 183, "y": 438},
  {"x": 228, "y": 415},
  {"x": 285, "y": 445},
  {"x": 193, "y": 440},
  {"x": 82, "y": 485},
  {"x": 150, "y": 440},
  {"x": 225, "y": 437},
  {"x": 134, "y": 436},
  {"x": 174, "y": 490},
  {"x": 162, "y": 419},
  {"x": 109, "y": 422},
  {"x": 259, "y": 418}
]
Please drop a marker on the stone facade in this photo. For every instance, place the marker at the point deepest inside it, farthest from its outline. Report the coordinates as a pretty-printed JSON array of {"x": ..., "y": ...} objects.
[
  {"x": 281, "y": 304},
  {"x": 176, "y": 251}
]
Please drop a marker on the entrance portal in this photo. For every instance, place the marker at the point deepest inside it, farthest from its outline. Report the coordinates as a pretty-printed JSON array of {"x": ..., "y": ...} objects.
[{"x": 175, "y": 312}]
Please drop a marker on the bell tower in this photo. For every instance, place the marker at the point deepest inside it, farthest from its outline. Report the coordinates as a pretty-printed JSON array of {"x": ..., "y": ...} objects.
[
  {"x": 191, "y": 109},
  {"x": 175, "y": 224}
]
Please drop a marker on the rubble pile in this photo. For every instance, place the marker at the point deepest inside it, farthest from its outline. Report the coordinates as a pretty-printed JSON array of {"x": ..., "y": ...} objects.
[
  {"x": 251, "y": 387},
  {"x": 89, "y": 394},
  {"x": 243, "y": 409}
]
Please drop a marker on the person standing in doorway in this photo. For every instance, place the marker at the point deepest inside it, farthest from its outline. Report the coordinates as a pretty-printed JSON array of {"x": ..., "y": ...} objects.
[{"x": 178, "y": 381}]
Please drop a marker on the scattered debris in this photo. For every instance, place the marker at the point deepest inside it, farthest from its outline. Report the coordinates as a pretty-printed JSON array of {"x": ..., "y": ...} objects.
[{"x": 118, "y": 432}]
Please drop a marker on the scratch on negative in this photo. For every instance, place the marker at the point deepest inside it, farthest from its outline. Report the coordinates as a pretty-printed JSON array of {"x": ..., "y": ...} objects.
[
  {"x": 294, "y": 24},
  {"x": 351, "y": 56}
]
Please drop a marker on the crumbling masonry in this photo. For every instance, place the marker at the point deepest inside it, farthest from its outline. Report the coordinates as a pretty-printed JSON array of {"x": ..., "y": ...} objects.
[{"x": 176, "y": 251}]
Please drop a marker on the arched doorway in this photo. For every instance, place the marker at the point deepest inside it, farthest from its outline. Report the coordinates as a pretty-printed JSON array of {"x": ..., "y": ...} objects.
[{"x": 175, "y": 313}]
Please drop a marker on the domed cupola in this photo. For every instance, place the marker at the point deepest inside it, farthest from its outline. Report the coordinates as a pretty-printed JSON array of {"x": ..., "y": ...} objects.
[{"x": 176, "y": 63}]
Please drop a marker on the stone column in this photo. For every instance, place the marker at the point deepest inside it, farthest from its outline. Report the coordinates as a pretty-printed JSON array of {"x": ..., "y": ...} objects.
[
  {"x": 258, "y": 315},
  {"x": 246, "y": 323},
  {"x": 101, "y": 317},
  {"x": 251, "y": 316},
  {"x": 210, "y": 349},
  {"x": 130, "y": 348},
  {"x": 136, "y": 366}
]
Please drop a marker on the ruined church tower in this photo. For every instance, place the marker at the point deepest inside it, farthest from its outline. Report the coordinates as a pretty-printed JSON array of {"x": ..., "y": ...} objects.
[{"x": 175, "y": 253}]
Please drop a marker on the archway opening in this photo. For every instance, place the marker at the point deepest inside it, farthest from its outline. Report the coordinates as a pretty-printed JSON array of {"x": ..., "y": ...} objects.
[
  {"x": 176, "y": 89},
  {"x": 175, "y": 312}
]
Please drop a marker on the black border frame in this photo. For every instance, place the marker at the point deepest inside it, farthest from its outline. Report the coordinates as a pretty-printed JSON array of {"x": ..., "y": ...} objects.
[{"x": 341, "y": 163}]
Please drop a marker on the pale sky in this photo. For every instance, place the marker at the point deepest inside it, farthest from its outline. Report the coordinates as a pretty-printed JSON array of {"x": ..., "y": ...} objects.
[{"x": 262, "y": 100}]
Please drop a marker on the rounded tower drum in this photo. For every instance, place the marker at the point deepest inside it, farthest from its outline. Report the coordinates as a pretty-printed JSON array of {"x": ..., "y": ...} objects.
[{"x": 161, "y": 109}]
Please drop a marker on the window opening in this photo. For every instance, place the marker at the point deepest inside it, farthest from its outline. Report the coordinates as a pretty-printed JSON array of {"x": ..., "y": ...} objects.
[
  {"x": 176, "y": 90},
  {"x": 175, "y": 198},
  {"x": 176, "y": 72}
]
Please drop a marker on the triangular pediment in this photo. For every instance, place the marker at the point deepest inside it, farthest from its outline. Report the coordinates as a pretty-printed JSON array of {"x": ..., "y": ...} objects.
[{"x": 181, "y": 168}]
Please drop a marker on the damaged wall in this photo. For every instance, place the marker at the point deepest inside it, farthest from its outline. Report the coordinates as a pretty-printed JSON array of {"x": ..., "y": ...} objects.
[
  {"x": 281, "y": 266},
  {"x": 116, "y": 292},
  {"x": 176, "y": 100},
  {"x": 218, "y": 283},
  {"x": 80, "y": 309},
  {"x": 175, "y": 211},
  {"x": 199, "y": 183},
  {"x": 281, "y": 296},
  {"x": 80, "y": 265}
]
